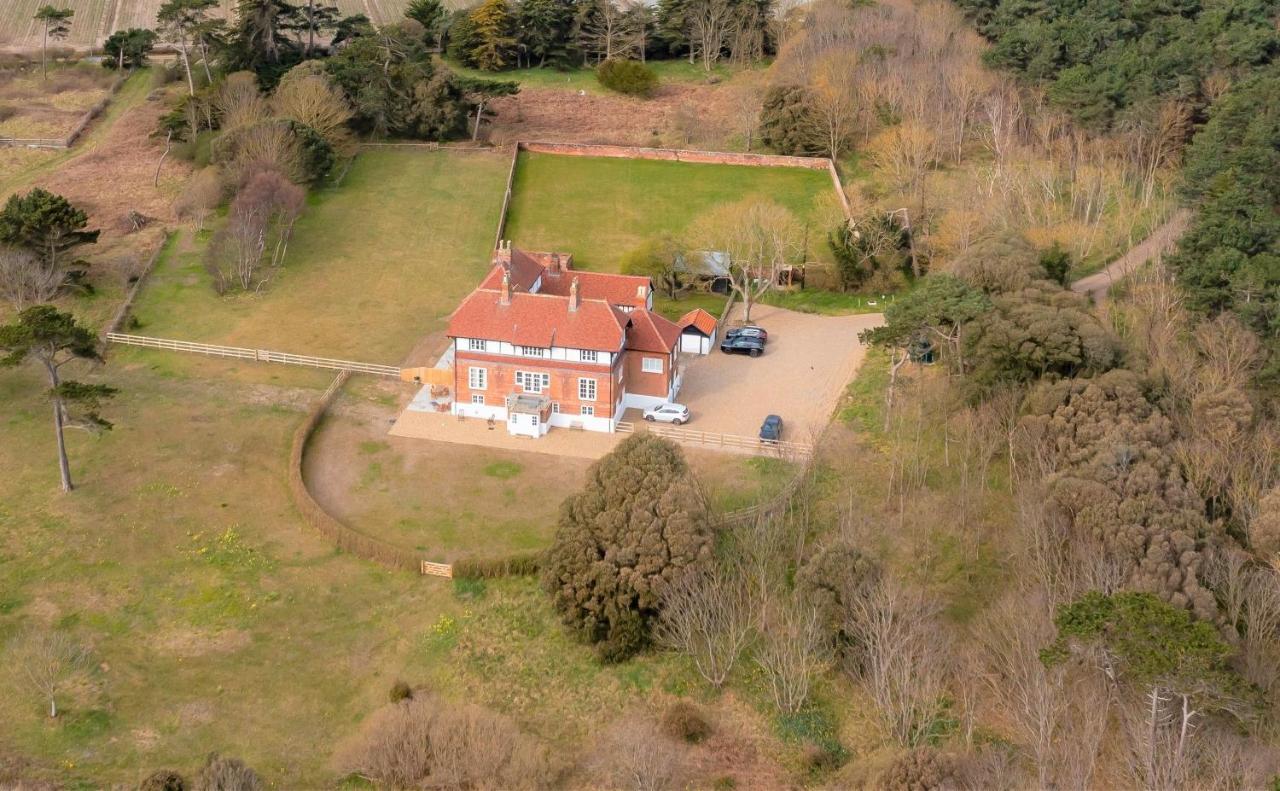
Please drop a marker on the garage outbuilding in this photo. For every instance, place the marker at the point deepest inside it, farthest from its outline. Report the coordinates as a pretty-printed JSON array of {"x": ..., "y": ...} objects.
[{"x": 697, "y": 332}]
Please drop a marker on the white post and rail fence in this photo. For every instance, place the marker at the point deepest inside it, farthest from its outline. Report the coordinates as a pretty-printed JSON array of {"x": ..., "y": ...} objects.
[
  {"x": 257, "y": 355},
  {"x": 715, "y": 439}
]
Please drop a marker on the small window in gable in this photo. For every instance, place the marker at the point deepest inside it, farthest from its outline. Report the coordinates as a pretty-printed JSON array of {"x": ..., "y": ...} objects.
[{"x": 651, "y": 365}]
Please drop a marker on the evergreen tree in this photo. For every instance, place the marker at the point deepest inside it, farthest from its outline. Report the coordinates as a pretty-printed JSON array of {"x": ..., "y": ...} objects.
[
  {"x": 639, "y": 521},
  {"x": 494, "y": 26},
  {"x": 429, "y": 14},
  {"x": 128, "y": 48},
  {"x": 546, "y": 29},
  {"x": 55, "y": 24},
  {"x": 47, "y": 225},
  {"x": 52, "y": 338}
]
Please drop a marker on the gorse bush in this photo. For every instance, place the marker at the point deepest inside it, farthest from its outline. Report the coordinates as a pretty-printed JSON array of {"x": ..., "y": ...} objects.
[
  {"x": 684, "y": 721},
  {"x": 627, "y": 76}
]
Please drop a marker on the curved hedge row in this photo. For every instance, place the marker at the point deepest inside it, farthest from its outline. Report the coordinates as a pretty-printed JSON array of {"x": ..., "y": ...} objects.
[{"x": 345, "y": 537}]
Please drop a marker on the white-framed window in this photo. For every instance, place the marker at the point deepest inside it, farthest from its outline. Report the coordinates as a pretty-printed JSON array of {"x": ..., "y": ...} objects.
[
  {"x": 651, "y": 365},
  {"x": 586, "y": 390},
  {"x": 589, "y": 355},
  {"x": 477, "y": 399},
  {"x": 533, "y": 351},
  {"x": 588, "y": 411},
  {"x": 478, "y": 378},
  {"x": 476, "y": 344},
  {"x": 533, "y": 381},
  {"x": 555, "y": 407}
]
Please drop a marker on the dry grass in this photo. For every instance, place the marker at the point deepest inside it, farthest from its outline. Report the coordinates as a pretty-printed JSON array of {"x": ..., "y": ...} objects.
[
  {"x": 374, "y": 266},
  {"x": 32, "y": 107}
]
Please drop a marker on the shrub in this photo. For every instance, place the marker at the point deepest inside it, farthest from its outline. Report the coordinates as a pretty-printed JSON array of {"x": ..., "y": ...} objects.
[
  {"x": 627, "y": 76},
  {"x": 227, "y": 774},
  {"x": 163, "y": 780},
  {"x": 638, "y": 524},
  {"x": 634, "y": 753},
  {"x": 684, "y": 721},
  {"x": 516, "y": 565},
  {"x": 831, "y": 580},
  {"x": 425, "y": 742},
  {"x": 922, "y": 769},
  {"x": 400, "y": 691}
]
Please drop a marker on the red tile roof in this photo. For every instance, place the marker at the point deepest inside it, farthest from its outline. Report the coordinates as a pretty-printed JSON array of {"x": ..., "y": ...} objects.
[
  {"x": 629, "y": 290},
  {"x": 525, "y": 271},
  {"x": 538, "y": 320},
  {"x": 700, "y": 320},
  {"x": 651, "y": 332}
]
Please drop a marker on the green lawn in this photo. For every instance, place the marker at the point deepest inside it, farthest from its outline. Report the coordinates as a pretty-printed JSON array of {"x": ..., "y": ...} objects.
[
  {"x": 375, "y": 264},
  {"x": 685, "y": 302},
  {"x": 598, "y": 208},
  {"x": 828, "y": 303},
  {"x": 584, "y": 79}
]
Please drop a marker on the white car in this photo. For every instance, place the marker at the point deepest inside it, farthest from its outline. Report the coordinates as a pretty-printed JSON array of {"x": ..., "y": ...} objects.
[{"x": 668, "y": 413}]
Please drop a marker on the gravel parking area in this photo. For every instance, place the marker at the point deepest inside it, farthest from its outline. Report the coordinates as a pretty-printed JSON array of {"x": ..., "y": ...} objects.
[{"x": 806, "y": 365}]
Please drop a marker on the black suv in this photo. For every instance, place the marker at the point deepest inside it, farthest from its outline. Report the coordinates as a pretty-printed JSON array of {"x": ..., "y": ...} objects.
[{"x": 745, "y": 344}]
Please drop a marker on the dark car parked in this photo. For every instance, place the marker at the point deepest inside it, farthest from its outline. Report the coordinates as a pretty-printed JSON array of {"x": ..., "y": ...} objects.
[
  {"x": 750, "y": 331},
  {"x": 744, "y": 344},
  {"x": 771, "y": 429}
]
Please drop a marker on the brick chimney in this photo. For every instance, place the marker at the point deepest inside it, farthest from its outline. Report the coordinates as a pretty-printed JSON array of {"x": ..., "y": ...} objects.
[
  {"x": 554, "y": 269},
  {"x": 502, "y": 255},
  {"x": 574, "y": 300},
  {"x": 504, "y": 298}
]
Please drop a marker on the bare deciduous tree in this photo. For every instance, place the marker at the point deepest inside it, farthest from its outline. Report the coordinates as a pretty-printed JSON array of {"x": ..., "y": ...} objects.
[
  {"x": 792, "y": 651},
  {"x": 635, "y": 753},
  {"x": 261, "y": 218},
  {"x": 200, "y": 196},
  {"x": 314, "y": 101},
  {"x": 707, "y": 615},
  {"x": 759, "y": 237},
  {"x": 1061, "y": 718},
  {"x": 48, "y": 660},
  {"x": 26, "y": 279},
  {"x": 710, "y": 23},
  {"x": 902, "y": 658}
]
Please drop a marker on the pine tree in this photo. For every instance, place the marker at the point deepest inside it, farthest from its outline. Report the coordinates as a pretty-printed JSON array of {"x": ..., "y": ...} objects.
[{"x": 494, "y": 27}]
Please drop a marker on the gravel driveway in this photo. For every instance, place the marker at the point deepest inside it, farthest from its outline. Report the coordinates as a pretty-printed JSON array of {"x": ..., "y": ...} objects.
[{"x": 806, "y": 365}]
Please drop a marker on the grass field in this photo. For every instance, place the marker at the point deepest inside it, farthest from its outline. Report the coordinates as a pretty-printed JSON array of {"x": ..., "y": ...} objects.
[
  {"x": 448, "y": 501},
  {"x": 598, "y": 208},
  {"x": 374, "y": 266},
  {"x": 217, "y": 620}
]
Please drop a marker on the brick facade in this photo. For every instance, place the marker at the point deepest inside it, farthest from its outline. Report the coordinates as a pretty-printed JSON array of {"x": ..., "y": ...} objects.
[{"x": 562, "y": 389}]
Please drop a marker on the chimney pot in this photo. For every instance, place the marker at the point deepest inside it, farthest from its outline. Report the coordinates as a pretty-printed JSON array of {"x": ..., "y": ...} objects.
[
  {"x": 505, "y": 298},
  {"x": 574, "y": 300}
]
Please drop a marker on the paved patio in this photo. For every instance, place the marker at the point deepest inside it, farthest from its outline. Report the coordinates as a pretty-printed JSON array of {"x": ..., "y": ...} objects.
[{"x": 473, "y": 431}]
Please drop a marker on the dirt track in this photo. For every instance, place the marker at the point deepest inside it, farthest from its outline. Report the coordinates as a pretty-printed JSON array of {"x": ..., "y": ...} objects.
[{"x": 1161, "y": 241}]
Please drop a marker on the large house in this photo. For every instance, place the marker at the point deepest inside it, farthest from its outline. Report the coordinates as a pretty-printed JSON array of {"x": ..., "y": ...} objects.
[{"x": 538, "y": 344}]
